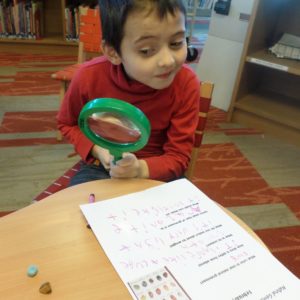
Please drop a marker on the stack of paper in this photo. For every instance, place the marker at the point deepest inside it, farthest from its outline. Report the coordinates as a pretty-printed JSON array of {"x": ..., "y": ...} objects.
[
  {"x": 287, "y": 47},
  {"x": 173, "y": 242}
]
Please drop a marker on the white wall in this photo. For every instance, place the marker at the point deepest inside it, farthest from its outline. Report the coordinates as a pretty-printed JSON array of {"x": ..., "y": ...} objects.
[{"x": 222, "y": 51}]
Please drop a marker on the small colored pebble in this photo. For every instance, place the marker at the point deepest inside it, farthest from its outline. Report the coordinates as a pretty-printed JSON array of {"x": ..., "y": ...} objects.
[
  {"x": 32, "y": 270},
  {"x": 91, "y": 198},
  {"x": 45, "y": 288}
]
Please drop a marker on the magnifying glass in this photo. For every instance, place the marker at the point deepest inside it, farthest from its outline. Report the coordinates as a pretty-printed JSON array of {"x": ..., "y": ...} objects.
[{"x": 115, "y": 125}]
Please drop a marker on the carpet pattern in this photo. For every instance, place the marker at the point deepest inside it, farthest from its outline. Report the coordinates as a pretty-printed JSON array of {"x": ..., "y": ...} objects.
[{"x": 237, "y": 167}]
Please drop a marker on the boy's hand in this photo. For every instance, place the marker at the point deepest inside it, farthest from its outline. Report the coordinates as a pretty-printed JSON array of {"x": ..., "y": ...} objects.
[
  {"x": 103, "y": 155},
  {"x": 129, "y": 167}
]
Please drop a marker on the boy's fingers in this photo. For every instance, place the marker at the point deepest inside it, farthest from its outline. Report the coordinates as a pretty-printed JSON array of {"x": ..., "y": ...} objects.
[{"x": 128, "y": 159}]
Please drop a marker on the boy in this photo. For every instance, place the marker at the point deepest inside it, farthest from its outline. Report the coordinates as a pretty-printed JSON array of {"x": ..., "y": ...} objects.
[{"x": 144, "y": 48}]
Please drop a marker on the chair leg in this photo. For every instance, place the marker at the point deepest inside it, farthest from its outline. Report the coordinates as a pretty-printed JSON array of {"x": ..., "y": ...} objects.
[
  {"x": 190, "y": 170},
  {"x": 62, "y": 91},
  {"x": 59, "y": 137}
]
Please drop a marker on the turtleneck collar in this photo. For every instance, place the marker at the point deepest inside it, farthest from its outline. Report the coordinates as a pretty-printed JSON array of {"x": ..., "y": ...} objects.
[{"x": 120, "y": 79}]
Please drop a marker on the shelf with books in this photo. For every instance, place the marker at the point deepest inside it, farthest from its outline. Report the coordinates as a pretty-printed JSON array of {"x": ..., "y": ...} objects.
[
  {"x": 49, "y": 40},
  {"x": 72, "y": 12},
  {"x": 21, "y": 19},
  {"x": 57, "y": 20},
  {"x": 40, "y": 22}
]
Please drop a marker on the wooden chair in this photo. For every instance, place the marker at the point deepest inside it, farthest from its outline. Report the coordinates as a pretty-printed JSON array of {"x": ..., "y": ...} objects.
[
  {"x": 90, "y": 37},
  {"x": 206, "y": 90}
]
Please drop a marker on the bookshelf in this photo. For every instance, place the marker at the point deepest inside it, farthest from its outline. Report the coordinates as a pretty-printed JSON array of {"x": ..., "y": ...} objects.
[
  {"x": 266, "y": 94},
  {"x": 53, "y": 24},
  {"x": 51, "y": 32}
]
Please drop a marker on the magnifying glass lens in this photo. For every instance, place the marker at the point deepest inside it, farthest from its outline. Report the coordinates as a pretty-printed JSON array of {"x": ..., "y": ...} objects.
[{"x": 113, "y": 128}]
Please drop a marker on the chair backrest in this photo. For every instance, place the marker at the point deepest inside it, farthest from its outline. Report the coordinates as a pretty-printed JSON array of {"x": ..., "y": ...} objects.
[
  {"x": 90, "y": 33},
  {"x": 206, "y": 90}
]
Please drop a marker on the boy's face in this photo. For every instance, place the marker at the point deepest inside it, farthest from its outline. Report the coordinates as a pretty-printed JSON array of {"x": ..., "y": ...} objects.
[{"x": 153, "y": 49}]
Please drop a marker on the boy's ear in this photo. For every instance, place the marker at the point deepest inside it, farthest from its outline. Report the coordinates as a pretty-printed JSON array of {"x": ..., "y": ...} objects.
[{"x": 111, "y": 54}]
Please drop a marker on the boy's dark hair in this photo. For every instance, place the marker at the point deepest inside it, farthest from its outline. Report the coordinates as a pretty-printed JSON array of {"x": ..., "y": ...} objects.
[{"x": 114, "y": 14}]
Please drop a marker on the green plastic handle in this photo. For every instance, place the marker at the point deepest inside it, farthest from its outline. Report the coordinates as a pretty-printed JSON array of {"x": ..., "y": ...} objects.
[{"x": 124, "y": 110}]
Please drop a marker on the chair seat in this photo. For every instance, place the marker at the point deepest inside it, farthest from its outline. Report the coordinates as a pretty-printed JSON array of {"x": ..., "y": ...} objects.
[{"x": 66, "y": 74}]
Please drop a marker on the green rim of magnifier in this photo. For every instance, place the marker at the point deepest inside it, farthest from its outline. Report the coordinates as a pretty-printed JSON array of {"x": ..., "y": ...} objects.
[{"x": 123, "y": 109}]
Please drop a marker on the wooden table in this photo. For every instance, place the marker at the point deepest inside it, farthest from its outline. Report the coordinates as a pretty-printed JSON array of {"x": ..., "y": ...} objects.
[{"x": 52, "y": 234}]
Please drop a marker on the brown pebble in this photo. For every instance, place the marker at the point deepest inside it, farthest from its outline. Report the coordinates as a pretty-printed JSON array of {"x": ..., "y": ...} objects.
[
  {"x": 45, "y": 288},
  {"x": 88, "y": 226}
]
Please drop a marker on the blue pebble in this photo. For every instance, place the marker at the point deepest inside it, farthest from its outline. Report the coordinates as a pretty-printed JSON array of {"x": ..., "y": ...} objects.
[{"x": 32, "y": 270}]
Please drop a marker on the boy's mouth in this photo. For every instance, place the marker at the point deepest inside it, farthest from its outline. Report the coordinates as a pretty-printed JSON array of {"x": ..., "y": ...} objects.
[{"x": 164, "y": 75}]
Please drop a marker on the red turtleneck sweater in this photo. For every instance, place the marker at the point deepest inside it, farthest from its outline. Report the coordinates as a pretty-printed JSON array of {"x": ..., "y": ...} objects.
[{"x": 172, "y": 112}]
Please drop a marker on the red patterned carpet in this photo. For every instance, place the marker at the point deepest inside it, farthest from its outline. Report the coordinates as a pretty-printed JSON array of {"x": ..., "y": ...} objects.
[
  {"x": 223, "y": 172},
  {"x": 28, "y": 122},
  {"x": 226, "y": 176}
]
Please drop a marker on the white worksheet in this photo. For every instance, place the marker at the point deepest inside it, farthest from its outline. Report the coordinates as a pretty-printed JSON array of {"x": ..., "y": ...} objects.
[{"x": 173, "y": 242}]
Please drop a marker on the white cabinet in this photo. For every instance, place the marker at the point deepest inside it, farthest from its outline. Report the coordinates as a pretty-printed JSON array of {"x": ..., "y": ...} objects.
[{"x": 222, "y": 51}]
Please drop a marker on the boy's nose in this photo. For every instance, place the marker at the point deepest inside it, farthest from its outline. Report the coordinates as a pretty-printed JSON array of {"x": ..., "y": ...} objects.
[{"x": 166, "y": 58}]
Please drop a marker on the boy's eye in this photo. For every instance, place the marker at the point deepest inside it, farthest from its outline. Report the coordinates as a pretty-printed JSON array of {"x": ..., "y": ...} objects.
[
  {"x": 177, "y": 45},
  {"x": 147, "y": 51}
]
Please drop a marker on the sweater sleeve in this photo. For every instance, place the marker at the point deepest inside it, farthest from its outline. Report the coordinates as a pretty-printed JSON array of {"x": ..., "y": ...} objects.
[
  {"x": 67, "y": 117},
  {"x": 180, "y": 134}
]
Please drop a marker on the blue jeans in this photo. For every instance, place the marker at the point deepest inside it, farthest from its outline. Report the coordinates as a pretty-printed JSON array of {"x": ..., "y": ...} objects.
[{"x": 89, "y": 172}]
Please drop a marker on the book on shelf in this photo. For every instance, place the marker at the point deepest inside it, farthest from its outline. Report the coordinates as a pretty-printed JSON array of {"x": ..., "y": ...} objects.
[
  {"x": 73, "y": 10},
  {"x": 37, "y": 19},
  {"x": 72, "y": 22}
]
